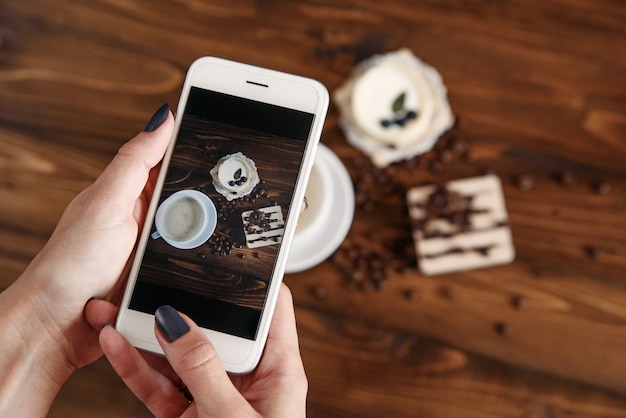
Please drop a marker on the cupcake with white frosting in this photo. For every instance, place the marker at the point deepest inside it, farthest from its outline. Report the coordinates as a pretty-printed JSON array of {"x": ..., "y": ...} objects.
[
  {"x": 394, "y": 107},
  {"x": 234, "y": 176}
]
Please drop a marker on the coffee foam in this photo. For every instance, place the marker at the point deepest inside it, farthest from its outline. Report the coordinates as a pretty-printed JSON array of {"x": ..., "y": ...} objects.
[{"x": 183, "y": 219}]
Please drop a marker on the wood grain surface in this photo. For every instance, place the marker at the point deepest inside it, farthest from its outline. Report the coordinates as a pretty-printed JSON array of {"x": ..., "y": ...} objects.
[{"x": 539, "y": 91}]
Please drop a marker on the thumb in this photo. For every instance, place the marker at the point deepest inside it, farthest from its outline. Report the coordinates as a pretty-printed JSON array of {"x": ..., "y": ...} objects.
[{"x": 195, "y": 360}]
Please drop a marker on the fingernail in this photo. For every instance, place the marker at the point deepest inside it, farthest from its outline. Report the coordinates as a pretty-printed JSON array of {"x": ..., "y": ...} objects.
[
  {"x": 92, "y": 298},
  {"x": 170, "y": 323},
  {"x": 305, "y": 204},
  {"x": 158, "y": 118},
  {"x": 106, "y": 324}
]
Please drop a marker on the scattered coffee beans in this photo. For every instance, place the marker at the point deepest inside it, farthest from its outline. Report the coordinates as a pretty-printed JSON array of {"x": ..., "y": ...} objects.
[{"x": 503, "y": 329}]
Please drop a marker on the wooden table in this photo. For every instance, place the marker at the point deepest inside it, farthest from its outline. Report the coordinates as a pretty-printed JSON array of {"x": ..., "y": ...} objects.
[{"x": 538, "y": 89}]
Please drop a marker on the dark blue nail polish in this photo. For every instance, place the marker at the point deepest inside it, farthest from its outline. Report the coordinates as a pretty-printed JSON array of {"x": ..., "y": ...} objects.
[
  {"x": 158, "y": 118},
  {"x": 170, "y": 323}
]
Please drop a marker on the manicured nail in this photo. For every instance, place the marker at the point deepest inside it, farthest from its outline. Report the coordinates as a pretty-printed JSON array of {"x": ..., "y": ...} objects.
[
  {"x": 170, "y": 323},
  {"x": 158, "y": 118}
]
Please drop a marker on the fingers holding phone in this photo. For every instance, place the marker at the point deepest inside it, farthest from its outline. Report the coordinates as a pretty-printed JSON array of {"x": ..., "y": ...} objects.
[{"x": 277, "y": 388}]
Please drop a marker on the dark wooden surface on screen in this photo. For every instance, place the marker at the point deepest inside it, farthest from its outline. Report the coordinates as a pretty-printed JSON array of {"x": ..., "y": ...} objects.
[
  {"x": 232, "y": 273},
  {"x": 539, "y": 88}
]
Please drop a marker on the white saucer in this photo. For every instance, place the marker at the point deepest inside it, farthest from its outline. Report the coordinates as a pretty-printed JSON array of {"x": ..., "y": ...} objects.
[{"x": 334, "y": 214}]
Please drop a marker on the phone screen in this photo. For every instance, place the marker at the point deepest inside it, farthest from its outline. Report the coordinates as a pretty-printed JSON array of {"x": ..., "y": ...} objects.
[{"x": 222, "y": 210}]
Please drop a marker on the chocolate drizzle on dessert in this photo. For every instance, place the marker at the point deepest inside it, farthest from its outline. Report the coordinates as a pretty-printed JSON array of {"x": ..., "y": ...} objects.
[
  {"x": 274, "y": 238},
  {"x": 263, "y": 226},
  {"x": 482, "y": 250},
  {"x": 456, "y": 210}
]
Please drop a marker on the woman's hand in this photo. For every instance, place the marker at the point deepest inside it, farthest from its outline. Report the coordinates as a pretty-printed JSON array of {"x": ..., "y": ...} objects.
[
  {"x": 43, "y": 334},
  {"x": 276, "y": 388}
]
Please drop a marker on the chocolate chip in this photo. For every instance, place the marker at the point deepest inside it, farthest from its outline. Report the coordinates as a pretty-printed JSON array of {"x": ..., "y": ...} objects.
[
  {"x": 202, "y": 255},
  {"x": 524, "y": 182},
  {"x": 256, "y": 255},
  {"x": 519, "y": 302},
  {"x": 602, "y": 187},
  {"x": 503, "y": 329}
]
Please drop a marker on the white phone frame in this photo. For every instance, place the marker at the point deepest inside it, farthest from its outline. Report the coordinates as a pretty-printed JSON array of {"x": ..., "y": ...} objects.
[{"x": 239, "y": 355}]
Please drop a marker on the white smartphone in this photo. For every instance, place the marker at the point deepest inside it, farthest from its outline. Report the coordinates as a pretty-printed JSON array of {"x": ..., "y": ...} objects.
[{"x": 225, "y": 207}]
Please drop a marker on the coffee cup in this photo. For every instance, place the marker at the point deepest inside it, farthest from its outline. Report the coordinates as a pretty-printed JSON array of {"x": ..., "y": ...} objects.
[
  {"x": 319, "y": 203},
  {"x": 186, "y": 219},
  {"x": 323, "y": 226}
]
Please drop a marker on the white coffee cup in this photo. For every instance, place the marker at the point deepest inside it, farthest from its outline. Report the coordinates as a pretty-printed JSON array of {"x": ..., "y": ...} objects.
[
  {"x": 318, "y": 202},
  {"x": 186, "y": 219},
  {"x": 325, "y": 223}
]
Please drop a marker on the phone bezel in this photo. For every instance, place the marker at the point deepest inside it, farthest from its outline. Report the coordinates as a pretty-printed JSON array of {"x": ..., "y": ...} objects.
[{"x": 239, "y": 355}]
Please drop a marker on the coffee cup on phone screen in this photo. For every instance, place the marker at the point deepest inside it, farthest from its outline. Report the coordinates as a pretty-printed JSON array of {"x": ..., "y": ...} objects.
[{"x": 185, "y": 220}]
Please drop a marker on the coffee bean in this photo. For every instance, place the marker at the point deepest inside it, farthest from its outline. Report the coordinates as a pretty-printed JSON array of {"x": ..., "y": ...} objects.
[
  {"x": 353, "y": 254},
  {"x": 256, "y": 255},
  {"x": 380, "y": 285},
  {"x": 503, "y": 329},
  {"x": 519, "y": 302},
  {"x": 458, "y": 146},
  {"x": 357, "y": 276},
  {"x": 593, "y": 253},
  {"x": 461, "y": 123},
  {"x": 567, "y": 179},
  {"x": 602, "y": 187},
  {"x": 367, "y": 286},
  {"x": 468, "y": 156},
  {"x": 445, "y": 156},
  {"x": 410, "y": 294},
  {"x": 320, "y": 292},
  {"x": 524, "y": 182},
  {"x": 435, "y": 167},
  {"x": 446, "y": 292},
  {"x": 377, "y": 275},
  {"x": 369, "y": 207},
  {"x": 361, "y": 198}
]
